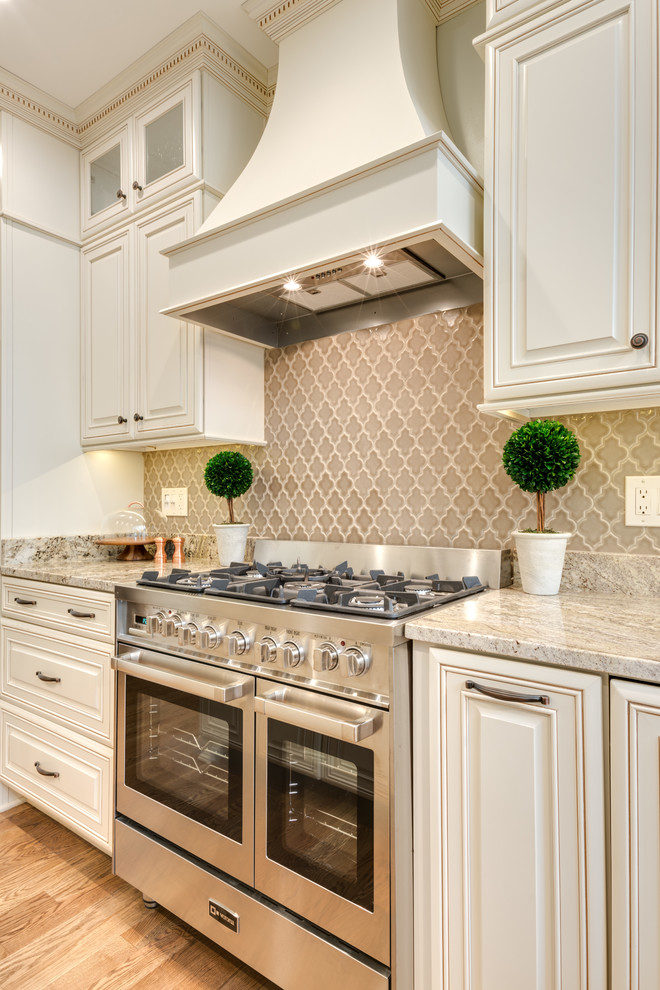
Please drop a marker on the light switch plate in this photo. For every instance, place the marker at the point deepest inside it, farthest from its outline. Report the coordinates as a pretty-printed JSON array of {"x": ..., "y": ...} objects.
[
  {"x": 174, "y": 501},
  {"x": 642, "y": 500}
]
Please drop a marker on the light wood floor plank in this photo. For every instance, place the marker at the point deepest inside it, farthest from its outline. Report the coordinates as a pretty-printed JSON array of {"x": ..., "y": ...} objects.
[{"x": 66, "y": 923}]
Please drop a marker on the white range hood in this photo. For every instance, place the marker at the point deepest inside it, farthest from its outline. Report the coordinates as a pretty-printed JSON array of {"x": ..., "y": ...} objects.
[{"x": 354, "y": 159}]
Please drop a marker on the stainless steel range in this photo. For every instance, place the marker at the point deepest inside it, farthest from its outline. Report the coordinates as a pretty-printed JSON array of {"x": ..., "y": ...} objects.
[{"x": 263, "y": 755}]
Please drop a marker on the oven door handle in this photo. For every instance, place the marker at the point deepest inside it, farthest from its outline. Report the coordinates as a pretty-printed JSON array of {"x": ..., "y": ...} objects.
[
  {"x": 214, "y": 684},
  {"x": 348, "y": 730}
]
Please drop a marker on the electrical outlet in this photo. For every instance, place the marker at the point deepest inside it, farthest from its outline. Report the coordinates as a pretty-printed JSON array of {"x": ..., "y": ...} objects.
[
  {"x": 174, "y": 501},
  {"x": 642, "y": 501}
]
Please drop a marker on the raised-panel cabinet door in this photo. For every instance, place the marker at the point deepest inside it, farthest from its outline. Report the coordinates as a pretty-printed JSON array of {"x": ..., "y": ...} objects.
[
  {"x": 572, "y": 232},
  {"x": 635, "y": 769},
  {"x": 516, "y": 812},
  {"x": 168, "y": 351},
  {"x": 106, "y": 293}
]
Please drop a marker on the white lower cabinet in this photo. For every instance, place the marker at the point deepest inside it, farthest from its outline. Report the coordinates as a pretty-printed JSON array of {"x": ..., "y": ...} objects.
[
  {"x": 57, "y": 704},
  {"x": 635, "y": 815},
  {"x": 510, "y": 855}
]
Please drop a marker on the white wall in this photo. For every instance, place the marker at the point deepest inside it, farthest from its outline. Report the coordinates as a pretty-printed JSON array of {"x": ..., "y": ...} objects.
[
  {"x": 462, "y": 80},
  {"x": 49, "y": 487}
]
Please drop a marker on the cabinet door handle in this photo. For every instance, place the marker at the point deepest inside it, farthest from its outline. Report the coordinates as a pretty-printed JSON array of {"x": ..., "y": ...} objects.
[
  {"x": 539, "y": 699},
  {"x": 81, "y": 615},
  {"x": 137, "y": 417},
  {"x": 45, "y": 677},
  {"x": 45, "y": 773},
  {"x": 121, "y": 194},
  {"x": 639, "y": 340},
  {"x": 24, "y": 601},
  {"x": 137, "y": 186},
  {"x": 121, "y": 419}
]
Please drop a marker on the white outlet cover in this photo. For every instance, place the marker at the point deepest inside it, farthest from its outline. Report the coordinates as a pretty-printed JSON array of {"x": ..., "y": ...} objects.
[
  {"x": 174, "y": 501},
  {"x": 642, "y": 500}
]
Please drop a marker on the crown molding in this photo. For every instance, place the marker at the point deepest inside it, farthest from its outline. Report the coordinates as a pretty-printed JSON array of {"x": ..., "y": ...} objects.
[
  {"x": 443, "y": 10},
  {"x": 279, "y": 18},
  {"x": 34, "y": 106},
  {"x": 198, "y": 43}
]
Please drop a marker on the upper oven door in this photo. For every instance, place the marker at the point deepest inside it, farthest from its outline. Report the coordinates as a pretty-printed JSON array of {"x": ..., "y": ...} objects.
[
  {"x": 322, "y": 813},
  {"x": 185, "y": 754}
]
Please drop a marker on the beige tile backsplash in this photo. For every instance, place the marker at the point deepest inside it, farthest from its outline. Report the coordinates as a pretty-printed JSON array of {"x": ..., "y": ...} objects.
[{"x": 374, "y": 437}]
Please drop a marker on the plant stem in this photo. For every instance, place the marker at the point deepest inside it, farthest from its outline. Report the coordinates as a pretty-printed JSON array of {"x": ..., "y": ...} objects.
[
  {"x": 540, "y": 512},
  {"x": 230, "y": 503}
]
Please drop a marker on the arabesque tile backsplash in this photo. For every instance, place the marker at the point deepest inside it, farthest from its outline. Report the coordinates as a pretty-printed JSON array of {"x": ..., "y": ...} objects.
[{"x": 374, "y": 436}]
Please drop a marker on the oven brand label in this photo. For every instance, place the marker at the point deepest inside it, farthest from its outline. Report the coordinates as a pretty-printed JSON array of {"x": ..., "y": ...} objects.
[{"x": 226, "y": 917}]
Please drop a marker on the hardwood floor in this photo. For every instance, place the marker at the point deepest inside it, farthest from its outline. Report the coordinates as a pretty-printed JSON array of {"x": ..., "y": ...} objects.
[{"x": 66, "y": 923}]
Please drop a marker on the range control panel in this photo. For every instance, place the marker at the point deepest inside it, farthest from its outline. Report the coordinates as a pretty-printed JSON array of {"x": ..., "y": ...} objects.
[{"x": 326, "y": 660}]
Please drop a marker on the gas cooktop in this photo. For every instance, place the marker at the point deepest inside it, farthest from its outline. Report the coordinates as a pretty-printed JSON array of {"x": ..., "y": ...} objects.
[{"x": 338, "y": 588}]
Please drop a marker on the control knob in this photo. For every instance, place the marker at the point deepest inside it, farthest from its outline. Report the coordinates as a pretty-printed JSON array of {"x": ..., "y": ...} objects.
[
  {"x": 267, "y": 650},
  {"x": 187, "y": 633},
  {"x": 325, "y": 657},
  {"x": 238, "y": 643},
  {"x": 208, "y": 637},
  {"x": 155, "y": 622},
  {"x": 172, "y": 624},
  {"x": 357, "y": 661},
  {"x": 291, "y": 654}
]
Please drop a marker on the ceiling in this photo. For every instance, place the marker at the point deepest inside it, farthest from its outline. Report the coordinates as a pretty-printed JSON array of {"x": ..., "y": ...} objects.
[{"x": 70, "y": 48}]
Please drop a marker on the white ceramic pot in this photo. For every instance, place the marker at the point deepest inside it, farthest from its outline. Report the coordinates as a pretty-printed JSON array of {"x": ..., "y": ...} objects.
[
  {"x": 231, "y": 539},
  {"x": 541, "y": 561}
]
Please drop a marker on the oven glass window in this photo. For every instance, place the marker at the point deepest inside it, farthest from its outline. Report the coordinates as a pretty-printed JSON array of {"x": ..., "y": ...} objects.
[
  {"x": 320, "y": 820},
  {"x": 186, "y": 753}
]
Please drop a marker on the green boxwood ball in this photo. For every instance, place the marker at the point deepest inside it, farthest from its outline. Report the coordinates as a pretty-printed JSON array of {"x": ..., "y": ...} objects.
[
  {"x": 228, "y": 474},
  {"x": 541, "y": 455}
]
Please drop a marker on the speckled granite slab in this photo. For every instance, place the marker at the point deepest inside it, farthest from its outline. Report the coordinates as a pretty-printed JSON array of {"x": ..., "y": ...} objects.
[
  {"x": 612, "y": 634},
  {"x": 98, "y": 575},
  {"x": 45, "y": 548},
  {"x": 610, "y": 573}
]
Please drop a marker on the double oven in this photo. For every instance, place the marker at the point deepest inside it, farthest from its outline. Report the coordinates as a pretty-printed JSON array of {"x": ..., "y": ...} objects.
[
  {"x": 258, "y": 803},
  {"x": 264, "y": 765}
]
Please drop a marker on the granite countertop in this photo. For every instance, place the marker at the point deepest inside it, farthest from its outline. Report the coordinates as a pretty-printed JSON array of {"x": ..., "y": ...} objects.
[
  {"x": 607, "y": 633},
  {"x": 94, "y": 574}
]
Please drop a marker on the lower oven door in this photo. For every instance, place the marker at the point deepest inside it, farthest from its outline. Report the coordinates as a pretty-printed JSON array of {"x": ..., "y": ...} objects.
[
  {"x": 322, "y": 813},
  {"x": 185, "y": 754}
]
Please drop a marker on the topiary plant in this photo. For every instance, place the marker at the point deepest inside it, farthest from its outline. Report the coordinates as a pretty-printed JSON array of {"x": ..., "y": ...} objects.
[
  {"x": 540, "y": 457},
  {"x": 228, "y": 475}
]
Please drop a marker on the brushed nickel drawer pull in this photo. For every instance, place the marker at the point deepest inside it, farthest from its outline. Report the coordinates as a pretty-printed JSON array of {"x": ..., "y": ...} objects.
[
  {"x": 81, "y": 615},
  {"x": 24, "y": 601},
  {"x": 45, "y": 677},
  {"x": 46, "y": 773},
  {"x": 539, "y": 699}
]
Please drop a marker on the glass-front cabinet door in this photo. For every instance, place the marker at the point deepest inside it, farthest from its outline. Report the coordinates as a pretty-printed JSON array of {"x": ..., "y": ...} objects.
[
  {"x": 322, "y": 833},
  {"x": 165, "y": 149},
  {"x": 105, "y": 179}
]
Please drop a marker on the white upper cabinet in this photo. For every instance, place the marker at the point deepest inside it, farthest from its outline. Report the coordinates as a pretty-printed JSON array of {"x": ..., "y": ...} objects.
[
  {"x": 197, "y": 133},
  {"x": 151, "y": 380},
  {"x": 571, "y": 231}
]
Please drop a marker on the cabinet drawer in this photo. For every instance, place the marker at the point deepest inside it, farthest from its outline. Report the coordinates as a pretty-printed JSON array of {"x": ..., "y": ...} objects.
[
  {"x": 85, "y": 613},
  {"x": 66, "y": 679},
  {"x": 80, "y": 796}
]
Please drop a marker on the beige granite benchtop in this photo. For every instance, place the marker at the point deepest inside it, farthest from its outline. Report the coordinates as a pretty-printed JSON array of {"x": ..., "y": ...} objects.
[
  {"x": 612, "y": 634},
  {"x": 95, "y": 574}
]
